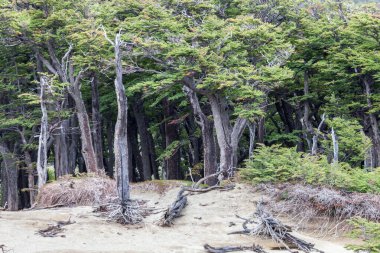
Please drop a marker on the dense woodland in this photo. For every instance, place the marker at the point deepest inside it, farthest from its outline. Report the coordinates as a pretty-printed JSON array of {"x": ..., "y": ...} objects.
[{"x": 174, "y": 89}]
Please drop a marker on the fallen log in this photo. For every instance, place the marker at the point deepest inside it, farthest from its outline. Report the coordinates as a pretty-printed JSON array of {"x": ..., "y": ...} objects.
[
  {"x": 254, "y": 248},
  {"x": 175, "y": 209},
  {"x": 268, "y": 226}
]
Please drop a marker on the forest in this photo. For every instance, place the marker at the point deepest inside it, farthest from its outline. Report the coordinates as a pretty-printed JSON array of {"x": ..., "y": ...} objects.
[{"x": 280, "y": 95}]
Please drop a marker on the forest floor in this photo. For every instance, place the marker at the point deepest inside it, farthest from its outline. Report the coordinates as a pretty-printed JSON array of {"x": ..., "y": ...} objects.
[{"x": 208, "y": 218}]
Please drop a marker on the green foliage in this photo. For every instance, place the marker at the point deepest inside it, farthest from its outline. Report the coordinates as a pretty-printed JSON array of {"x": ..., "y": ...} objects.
[
  {"x": 369, "y": 232},
  {"x": 51, "y": 174},
  {"x": 277, "y": 164}
]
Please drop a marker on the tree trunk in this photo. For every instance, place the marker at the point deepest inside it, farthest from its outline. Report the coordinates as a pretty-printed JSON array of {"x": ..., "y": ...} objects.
[
  {"x": 223, "y": 131},
  {"x": 88, "y": 152},
  {"x": 142, "y": 126},
  {"x": 335, "y": 146},
  {"x": 121, "y": 134},
  {"x": 44, "y": 134},
  {"x": 11, "y": 174},
  {"x": 96, "y": 121},
  {"x": 228, "y": 137},
  {"x": 373, "y": 122},
  {"x": 252, "y": 135},
  {"x": 111, "y": 155},
  {"x": 307, "y": 126},
  {"x": 173, "y": 170},
  {"x": 207, "y": 128},
  {"x": 136, "y": 161}
]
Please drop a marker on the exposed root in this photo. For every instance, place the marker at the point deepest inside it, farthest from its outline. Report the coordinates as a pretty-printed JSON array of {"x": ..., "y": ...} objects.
[
  {"x": 266, "y": 225},
  {"x": 55, "y": 230},
  {"x": 131, "y": 212},
  {"x": 254, "y": 248}
]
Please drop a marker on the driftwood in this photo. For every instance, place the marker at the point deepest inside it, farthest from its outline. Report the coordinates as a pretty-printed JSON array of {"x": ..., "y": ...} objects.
[
  {"x": 55, "y": 230},
  {"x": 266, "y": 225},
  {"x": 254, "y": 248},
  {"x": 175, "y": 209}
]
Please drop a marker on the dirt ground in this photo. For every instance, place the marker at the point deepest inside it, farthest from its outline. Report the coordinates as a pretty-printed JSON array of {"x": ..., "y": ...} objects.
[{"x": 206, "y": 219}]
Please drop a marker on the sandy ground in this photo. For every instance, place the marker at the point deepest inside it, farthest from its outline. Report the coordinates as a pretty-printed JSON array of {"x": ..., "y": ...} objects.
[{"x": 206, "y": 219}]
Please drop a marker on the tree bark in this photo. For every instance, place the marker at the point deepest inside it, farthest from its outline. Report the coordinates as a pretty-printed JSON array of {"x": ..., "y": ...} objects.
[
  {"x": 148, "y": 156},
  {"x": 44, "y": 134},
  {"x": 207, "y": 128},
  {"x": 252, "y": 135},
  {"x": 96, "y": 121},
  {"x": 11, "y": 174},
  {"x": 173, "y": 170},
  {"x": 228, "y": 137},
  {"x": 121, "y": 134},
  {"x": 88, "y": 152}
]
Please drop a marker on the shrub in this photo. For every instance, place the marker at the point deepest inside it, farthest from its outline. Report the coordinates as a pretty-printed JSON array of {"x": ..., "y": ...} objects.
[
  {"x": 276, "y": 164},
  {"x": 368, "y": 231}
]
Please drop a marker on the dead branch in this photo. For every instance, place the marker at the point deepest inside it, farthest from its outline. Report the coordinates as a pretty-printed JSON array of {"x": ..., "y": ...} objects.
[
  {"x": 254, "y": 248},
  {"x": 55, "y": 230},
  {"x": 174, "y": 211},
  {"x": 268, "y": 226},
  {"x": 215, "y": 187},
  {"x": 207, "y": 177}
]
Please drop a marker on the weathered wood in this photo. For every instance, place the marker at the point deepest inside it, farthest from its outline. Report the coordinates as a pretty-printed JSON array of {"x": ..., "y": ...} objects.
[
  {"x": 254, "y": 248},
  {"x": 174, "y": 211},
  {"x": 267, "y": 225}
]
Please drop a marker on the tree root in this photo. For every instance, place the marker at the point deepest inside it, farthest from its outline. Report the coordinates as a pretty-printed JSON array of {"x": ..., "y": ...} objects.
[
  {"x": 267, "y": 225},
  {"x": 130, "y": 212},
  {"x": 254, "y": 248}
]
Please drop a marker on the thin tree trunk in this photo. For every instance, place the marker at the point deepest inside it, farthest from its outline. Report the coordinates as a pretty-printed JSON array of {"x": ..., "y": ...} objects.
[
  {"x": 252, "y": 135},
  {"x": 142, "y": 127},
  {"x": 207, "y": 128},
  {"x": 121, "y": 134},
  {"x": 11, "y": 172},
  {"x": 88, "y": 152},
  {"x": 44, "y": 134},
  {"x": 373, "y": 122},
  {"x": 111, "y": 154},
  {"x": 96, "y": 121},
  {"x": 335, "y": 146},
  {"x": 223, "y": 131},
  {"x": 173, "y": 170},
  {"x": 308, "y": 128}
]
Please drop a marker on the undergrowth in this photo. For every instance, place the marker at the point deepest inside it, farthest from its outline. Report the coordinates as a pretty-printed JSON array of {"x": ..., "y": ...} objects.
[
  {"x": 369, "y": 232},
  {"x": 277, "y": 164}
]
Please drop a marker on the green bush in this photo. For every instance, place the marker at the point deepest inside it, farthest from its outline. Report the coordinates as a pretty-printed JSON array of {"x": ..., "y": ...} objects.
[
  {"x": 277, "y": 164},
  {"x": 51, "y": 174},
  {"x": 368, "y": 231}
]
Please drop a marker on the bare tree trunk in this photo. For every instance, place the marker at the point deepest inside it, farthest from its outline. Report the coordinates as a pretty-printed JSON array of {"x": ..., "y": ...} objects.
[
  {"x": 228, "y": 137},
  {"x": 61, "y": 152},
  {"x": 44, "y": 134},
  {"x": 96, "y": 121},
  {"x": 11, "y": 173},
  {"x": 314, "y": 147},
  {"x": 209, "y": 149},
  {"x": 335, "y": 146},
  {"x": 72, "y": 140},
  {"x": 88, "y": 152},
  {"x": 121, "y": 134},
  {"x": 223, "y": 131}
]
